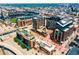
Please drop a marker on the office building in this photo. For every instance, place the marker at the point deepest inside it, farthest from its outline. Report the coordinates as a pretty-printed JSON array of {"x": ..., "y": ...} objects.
[
  {"x": 38, "y": 22},
  {"x": 64, "y": 28},
  {"x": 51, "y": 22}
]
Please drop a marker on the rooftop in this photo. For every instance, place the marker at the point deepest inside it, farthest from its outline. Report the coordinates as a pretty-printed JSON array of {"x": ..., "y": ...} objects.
[
  {"x": 56, "y": 18},
  {"x": 38, "y": 17},
  {"x": 46, "y": 45},
  {"x": 64, "y": 22}
]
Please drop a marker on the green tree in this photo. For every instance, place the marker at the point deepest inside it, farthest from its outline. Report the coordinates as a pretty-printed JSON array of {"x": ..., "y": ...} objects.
[{"x": 13, "y": 20}]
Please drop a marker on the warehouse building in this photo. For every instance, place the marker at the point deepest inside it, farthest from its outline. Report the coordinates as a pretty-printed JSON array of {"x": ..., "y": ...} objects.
[{"x": 22, "y": 21}]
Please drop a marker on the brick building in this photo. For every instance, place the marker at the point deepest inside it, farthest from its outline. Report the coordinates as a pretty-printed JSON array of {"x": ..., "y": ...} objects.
[{"x": 24, "y": 21}]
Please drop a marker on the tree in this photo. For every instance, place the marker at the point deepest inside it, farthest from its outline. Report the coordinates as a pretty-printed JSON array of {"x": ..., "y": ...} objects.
[{"x": 13, "y": 20}]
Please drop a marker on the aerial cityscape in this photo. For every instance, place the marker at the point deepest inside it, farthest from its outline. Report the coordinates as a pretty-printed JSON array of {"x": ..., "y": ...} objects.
[{"x": 39, "y": 29}]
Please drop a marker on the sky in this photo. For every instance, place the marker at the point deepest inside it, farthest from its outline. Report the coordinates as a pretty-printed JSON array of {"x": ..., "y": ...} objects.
[{"x": 39, "y": 1}]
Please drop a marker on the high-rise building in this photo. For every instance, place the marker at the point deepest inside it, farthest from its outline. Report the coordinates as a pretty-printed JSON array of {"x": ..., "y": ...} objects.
[
  {"x": 38, "y": 22},
  {"x": 51, "y": 22}
]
